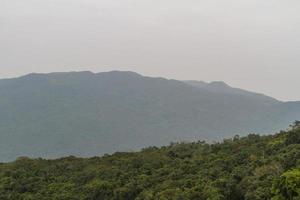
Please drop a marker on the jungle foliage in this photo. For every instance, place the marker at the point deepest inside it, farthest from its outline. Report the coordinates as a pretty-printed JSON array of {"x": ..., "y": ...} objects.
[{"x": 242, "y": 168}]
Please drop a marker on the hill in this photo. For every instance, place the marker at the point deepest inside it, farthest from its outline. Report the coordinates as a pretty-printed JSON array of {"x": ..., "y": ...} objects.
[
  {"x": 242, "y": 168},
  {"x": 88, "y": 114}
]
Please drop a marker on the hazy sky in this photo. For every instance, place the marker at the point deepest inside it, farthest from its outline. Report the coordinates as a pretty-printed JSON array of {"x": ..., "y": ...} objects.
[{"x": 252, "y": 44}]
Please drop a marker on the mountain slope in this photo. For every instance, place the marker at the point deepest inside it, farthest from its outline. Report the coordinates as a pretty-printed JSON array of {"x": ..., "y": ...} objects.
[{"x": 87, "y": 114}]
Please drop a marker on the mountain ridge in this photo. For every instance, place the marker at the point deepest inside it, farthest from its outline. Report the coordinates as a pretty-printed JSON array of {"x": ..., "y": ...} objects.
[
  {"x": 220, "y": 86},
  {"x": 195, "y": 83}
]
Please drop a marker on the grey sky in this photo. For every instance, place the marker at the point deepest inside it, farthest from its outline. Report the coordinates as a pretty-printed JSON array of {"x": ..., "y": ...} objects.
[{"x": 252, "y": 44}]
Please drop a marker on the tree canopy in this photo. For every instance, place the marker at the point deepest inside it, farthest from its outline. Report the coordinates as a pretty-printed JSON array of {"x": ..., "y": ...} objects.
[{"x": 241, "y": 168}]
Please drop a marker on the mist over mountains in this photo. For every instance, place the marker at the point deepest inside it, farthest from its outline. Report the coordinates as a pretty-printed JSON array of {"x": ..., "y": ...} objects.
[{"x": 88, "y": 114}]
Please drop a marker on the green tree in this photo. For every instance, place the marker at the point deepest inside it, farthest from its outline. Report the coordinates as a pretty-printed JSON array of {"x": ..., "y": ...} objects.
[{"x": 287, "y": 186}]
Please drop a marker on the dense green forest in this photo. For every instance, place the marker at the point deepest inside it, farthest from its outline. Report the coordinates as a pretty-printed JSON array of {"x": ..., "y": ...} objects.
[{"x": 251, "y": 168}]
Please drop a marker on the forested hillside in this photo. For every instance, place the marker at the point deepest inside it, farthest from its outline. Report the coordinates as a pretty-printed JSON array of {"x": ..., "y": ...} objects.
[
  {"x": 242, "y": 168},
  {"x": 87, "y": 114}
]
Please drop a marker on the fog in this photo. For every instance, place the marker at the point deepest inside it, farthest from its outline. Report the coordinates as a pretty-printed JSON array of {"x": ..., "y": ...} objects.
[{"x": 251, "y": 44}]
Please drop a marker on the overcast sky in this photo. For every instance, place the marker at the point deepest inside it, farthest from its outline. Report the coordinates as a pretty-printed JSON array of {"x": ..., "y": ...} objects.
[{"x": 251, "y": 44}]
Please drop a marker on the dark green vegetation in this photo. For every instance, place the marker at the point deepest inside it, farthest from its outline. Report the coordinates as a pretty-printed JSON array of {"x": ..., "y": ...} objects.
[
  {"x": 86, "y": 114},
  {"x": 251, "y": 168}
]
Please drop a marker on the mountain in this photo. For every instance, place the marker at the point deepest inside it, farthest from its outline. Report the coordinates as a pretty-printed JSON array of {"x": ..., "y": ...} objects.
[
  {"x": 88, "y": 114},
  {"x": 242, "y": 168},
  {"x": 223, "y": 88}
]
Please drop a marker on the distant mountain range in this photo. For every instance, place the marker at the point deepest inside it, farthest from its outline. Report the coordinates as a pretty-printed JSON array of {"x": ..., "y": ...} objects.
[{"x": 88, "y": 114}]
